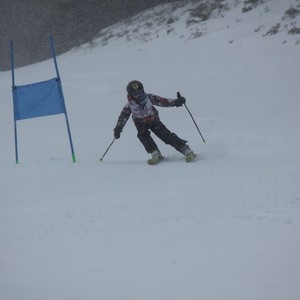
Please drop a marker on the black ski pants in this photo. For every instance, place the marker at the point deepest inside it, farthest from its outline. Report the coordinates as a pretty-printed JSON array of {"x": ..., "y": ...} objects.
[{"x": 161, "y": 131}]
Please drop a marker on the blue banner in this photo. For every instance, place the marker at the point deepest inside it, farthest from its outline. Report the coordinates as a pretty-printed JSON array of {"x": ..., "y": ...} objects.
[{"x": 38, "y": 99}]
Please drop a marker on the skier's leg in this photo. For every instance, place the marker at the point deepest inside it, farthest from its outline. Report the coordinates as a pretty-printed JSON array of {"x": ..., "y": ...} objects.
[
  {"x": 145, "y": 137},
  {"x": 170, "y": 138}
]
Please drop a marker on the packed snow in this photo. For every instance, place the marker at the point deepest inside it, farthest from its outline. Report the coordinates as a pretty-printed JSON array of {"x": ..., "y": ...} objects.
[{"x": 225, "y": 227}]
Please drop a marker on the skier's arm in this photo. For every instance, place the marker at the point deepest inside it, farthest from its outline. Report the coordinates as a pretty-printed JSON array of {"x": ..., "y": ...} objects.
[
  {"x": 122, "y": 120},
  {"x": 166, "y": 102}
]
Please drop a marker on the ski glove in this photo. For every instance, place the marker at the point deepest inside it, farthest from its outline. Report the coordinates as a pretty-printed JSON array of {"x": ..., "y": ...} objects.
[
  {"x": 180, "y": 100},
  {"x": 117, "y": 132}
]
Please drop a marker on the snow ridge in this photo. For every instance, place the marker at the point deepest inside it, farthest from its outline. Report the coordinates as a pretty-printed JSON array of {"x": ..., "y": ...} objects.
[{"x": 199, "y": 18}]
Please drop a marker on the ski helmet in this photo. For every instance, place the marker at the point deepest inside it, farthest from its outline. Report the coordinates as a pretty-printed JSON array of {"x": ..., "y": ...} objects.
[{"x": 135, "y": 88}]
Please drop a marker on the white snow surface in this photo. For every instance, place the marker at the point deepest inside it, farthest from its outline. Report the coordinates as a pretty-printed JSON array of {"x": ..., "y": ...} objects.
[{"x": 225, "y": 227}]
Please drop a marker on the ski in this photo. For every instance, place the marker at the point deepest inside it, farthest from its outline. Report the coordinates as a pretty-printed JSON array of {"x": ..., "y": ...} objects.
[{"x": 189, "y": 158}]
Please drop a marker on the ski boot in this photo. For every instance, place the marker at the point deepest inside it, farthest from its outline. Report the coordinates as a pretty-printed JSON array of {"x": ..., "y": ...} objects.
[
  {"x": 156, "y": 158},
  {"x": 190, "y": 156},
  {"x": 188, "y": 153}
]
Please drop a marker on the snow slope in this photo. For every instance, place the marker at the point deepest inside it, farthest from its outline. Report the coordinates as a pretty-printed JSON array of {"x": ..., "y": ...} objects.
[{"x": 224, "y": 227}]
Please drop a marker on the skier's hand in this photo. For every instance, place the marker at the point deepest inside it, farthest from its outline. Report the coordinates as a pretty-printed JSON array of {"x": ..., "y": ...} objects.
[
  {"x": 117, "y": 132},
  {"x": 180, "y": 100}
]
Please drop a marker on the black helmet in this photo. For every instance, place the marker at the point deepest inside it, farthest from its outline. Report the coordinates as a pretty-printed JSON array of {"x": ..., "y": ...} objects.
[{"x": 135, "y": 88}]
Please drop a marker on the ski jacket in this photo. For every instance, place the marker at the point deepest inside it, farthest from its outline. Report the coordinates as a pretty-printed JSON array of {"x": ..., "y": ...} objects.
[{"x": 143, "y": 112}]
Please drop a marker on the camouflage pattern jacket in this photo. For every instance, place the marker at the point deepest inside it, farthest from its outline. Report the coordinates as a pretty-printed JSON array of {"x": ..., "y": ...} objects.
[{"x": 143, "y": 112}]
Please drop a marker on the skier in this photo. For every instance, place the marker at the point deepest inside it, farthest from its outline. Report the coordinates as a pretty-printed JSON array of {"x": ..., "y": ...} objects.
[{"x": 145, "y": 117}]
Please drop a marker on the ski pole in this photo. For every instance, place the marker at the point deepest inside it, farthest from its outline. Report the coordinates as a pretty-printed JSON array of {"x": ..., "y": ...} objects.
[
  {"x": 195, "y": 123},
  {"x": 107, "y": 149}
]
